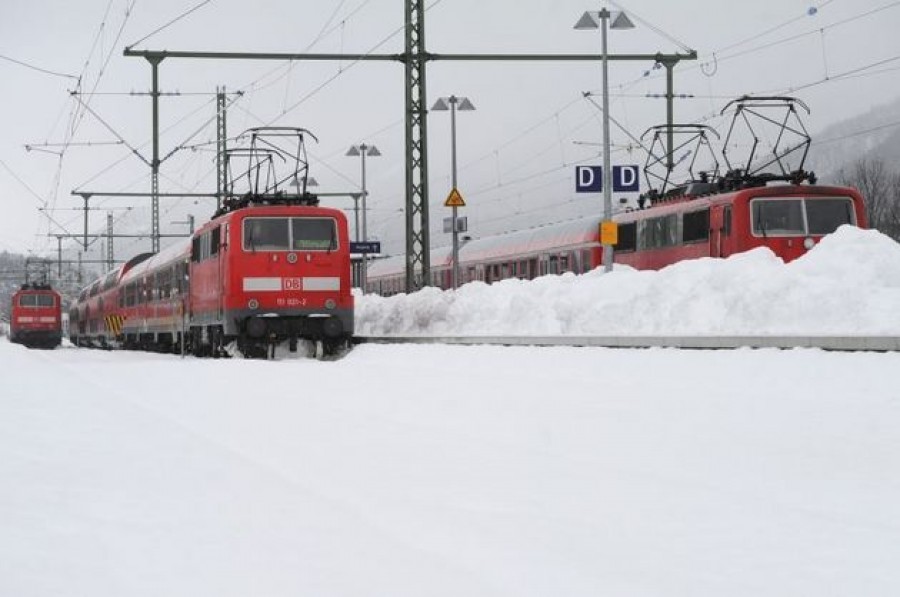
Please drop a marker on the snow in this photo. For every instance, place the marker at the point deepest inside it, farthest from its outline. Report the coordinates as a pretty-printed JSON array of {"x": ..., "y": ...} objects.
[
  {"x": 481, "y": 471},
  {"x": 848, "y": 284}
]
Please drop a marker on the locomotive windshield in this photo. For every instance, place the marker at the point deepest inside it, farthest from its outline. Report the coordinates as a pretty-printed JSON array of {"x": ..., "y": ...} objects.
[
  {"x": 36, "y": 300},
  {"x": 800, "y": 216},
  {"x": 290, "y": 234}
]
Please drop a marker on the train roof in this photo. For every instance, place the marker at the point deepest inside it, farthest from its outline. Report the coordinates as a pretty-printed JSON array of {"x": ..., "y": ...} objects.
[
  {"x": 567, "y": 234},
  {"x": 156, "y": 260},
  {"x": 35, "y": 287},
  {"x": 560, "y": 235}
]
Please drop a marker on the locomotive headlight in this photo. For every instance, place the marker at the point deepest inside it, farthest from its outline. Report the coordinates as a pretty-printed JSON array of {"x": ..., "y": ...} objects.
[
  {"x": 809, "y": 243},
  {"x": 253, "y": 304},
  {"x": 330, "y": 304}
]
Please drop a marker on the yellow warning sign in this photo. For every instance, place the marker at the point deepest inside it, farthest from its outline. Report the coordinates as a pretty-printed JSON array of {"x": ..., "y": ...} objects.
[
  {"x": 609, "y": 233},
  {"x": 454, "y": 199}
]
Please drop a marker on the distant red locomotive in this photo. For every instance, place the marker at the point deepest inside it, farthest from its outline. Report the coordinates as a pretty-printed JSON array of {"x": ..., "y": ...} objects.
[
  {"x": 711, "y": 216},
  {"x": 36, "y": 317},
  {"x": 269, "y": 267},
  {"x": 789, "y": 219}
]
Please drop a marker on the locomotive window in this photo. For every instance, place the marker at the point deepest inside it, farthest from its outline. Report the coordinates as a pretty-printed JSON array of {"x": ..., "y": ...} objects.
[
  {"x": 726, "y": 221},
  {"x": 37, "y": 300},
  {"x": 266, "y": 234},
  {"x": 214, "y": 241},
  {"x": 825, "y": 215},
  {"x": 696, "y": 226},
  {"x": 779, "y": 217},
  {"x": 313, "y": 234},
  {"x": 627, "y": 237}
]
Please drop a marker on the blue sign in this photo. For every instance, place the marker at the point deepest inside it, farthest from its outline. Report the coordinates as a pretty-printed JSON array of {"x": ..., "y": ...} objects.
[
  {"x": 626, "y": 179},
  {"x": 367, "y": 248},
  {"x": 589, "y": 179}
]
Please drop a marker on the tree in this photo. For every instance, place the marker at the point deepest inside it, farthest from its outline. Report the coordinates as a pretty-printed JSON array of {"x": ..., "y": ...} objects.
[{"x": 880, "y": 188}]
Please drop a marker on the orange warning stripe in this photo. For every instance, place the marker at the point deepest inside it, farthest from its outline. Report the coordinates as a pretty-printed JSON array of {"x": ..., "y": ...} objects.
[{"x": 114, "y": 324}]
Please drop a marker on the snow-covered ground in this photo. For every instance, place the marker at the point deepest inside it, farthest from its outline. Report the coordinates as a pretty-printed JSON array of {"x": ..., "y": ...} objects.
[{"x": 478, "y": 471}]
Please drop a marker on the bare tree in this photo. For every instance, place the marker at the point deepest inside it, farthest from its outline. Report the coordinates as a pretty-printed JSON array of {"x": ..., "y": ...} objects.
[{"x": 880, "y": 188}]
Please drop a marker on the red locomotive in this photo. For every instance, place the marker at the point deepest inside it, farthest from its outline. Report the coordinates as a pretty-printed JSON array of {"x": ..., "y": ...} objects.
[
  {"x": 36, "y": 316},
  {"x": 711, "y": 216},
  {"x": 269, "y": 267}
]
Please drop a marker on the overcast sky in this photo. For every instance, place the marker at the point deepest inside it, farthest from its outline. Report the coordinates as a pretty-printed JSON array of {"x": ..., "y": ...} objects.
[{"x": 517, "y": 151}]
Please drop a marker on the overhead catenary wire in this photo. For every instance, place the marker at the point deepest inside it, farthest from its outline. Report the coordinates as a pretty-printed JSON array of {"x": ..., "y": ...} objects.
[
  {"x": 37, "y": 68},
  {"x": 556, "y": 117},
  {"x": 170, "y": 23}
]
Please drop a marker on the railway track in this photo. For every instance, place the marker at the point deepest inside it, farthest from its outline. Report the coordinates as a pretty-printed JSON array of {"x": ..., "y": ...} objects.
[{"x": 838, "y": 343}]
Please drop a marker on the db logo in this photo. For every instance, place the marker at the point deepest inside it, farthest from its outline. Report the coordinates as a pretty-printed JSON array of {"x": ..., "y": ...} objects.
[{"x": 292, "y": 284}]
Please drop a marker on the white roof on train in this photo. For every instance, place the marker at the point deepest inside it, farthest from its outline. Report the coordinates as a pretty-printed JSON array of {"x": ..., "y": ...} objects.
[
  {"x": 570, "y": 233},
  {"x": 166, "y": 255}
]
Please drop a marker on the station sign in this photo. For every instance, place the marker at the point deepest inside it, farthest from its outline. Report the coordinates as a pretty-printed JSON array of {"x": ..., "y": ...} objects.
[
  {"x": 366, "y": 248},
  {"x": 462, "y": 224},
  {"x": 589, "y": 179}
]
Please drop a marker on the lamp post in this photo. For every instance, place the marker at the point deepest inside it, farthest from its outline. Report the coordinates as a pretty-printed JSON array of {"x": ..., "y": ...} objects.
[
  {"x": 595, "y": 20},
  {"x": 362, "y": 150},
  {"x": 454, "y": 103}
]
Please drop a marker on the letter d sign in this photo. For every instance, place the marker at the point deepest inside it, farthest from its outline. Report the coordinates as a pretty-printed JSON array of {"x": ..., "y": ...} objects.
[
  {"x": 588, "y": 179},
  {"x": 626, "y": 179}
]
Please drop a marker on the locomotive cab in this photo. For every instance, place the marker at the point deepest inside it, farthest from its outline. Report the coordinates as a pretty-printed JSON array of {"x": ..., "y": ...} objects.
[
  {"x": 36, "y": 317},
  {"x": 267, "y": 274},
  {"x": 791, "y": 220}
]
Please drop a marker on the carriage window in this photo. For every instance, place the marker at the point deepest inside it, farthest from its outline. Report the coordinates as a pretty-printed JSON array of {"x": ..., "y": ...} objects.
[
  {"x": 266, "y": 234},
  {"x": 627, "y": 237},
  {"x": 658, "y": 232},
  {"x": 696, "y": 226},
  {"x": 825, "y": 215},
  {"x": 313, "y": 234},
  {"x": 780, "y": 217},
  {"x": 110, "y": 280}
]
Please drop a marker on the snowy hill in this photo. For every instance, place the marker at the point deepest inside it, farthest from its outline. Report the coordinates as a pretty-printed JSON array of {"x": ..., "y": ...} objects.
[{"x": 875, "y": 134}]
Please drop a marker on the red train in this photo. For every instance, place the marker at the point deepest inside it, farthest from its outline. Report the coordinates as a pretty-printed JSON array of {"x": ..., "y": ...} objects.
[
  {"x": 694, "y": 221},
  {"x": 269, "y": 267},
  {"x": 36, "y": 316},
  {"x": 254, "y": 277},
  {"x": 762, "y": 202}
]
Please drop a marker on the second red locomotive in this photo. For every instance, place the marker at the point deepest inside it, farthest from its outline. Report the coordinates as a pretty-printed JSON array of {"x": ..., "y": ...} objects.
[{"x": 36, "y": 316}]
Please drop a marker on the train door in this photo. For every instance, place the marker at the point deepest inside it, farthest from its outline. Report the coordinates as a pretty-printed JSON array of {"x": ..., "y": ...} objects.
[
  {"x": 217, "y": 252},
  {"x": 720, "y": 231}
]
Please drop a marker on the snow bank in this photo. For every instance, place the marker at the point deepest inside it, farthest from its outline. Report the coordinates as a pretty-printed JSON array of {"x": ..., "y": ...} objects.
[{"x": 848, "y": 284}]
